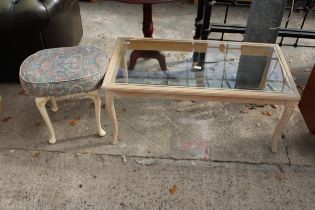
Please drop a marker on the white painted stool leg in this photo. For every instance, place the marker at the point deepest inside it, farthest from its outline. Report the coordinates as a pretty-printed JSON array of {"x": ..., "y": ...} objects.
[
  {"x": 97, "y": 103},
  {"x": 54, "y": 106},
  {"x": 41, "y": 105}
]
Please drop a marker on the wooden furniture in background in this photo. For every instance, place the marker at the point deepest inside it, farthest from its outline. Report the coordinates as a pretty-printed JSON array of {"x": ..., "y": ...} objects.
[{"x": 307, "y": 103}]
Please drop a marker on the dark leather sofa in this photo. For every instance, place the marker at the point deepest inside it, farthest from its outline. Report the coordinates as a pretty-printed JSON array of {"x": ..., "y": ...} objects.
[{"x": 27, "y": 26}]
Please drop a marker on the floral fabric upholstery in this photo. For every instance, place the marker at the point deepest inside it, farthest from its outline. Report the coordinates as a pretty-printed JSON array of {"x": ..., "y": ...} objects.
[{"x": 63, "y": 71}]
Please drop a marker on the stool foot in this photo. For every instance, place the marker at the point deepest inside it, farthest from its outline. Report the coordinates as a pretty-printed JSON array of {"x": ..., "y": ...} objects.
[
  {"x": 41, "y": 105},
  {"x": 54, "y": 106},
  {"x": 97, "y": 103},
  {"x": 101, "y": 132},
  {"x": 52, "y": 140}
]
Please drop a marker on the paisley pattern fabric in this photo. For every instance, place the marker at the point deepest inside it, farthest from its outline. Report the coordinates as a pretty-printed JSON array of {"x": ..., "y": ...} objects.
[{"x": 63, "y": 71}]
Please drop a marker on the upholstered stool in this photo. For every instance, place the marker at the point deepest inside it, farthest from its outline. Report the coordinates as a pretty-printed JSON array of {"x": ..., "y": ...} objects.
[{"x": 64, "y": 73}]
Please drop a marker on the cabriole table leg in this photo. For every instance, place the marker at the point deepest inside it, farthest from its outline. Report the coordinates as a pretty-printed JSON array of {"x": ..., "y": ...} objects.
[
  {"x": 110, "y": 108},
  {"x": 288, "y": 110}
]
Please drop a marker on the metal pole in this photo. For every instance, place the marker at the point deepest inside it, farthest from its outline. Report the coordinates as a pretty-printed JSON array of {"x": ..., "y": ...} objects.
[
  {"x": 225, "y": 18},
  {"x": 264, "y": 20},
  {"x": 263, "y": 26},
  {"x": 198, "y": 19},
  {"x": 305, "y": 16},
  {"x": 205, "y": 31},
  {"x": 198, "y": 25}
]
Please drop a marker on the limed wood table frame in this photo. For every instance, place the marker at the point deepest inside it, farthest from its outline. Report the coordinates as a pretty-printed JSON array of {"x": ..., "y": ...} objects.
[{"x": 111, "y": 87}]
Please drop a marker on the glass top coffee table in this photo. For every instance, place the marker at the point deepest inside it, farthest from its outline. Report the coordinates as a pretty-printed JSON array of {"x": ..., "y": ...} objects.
[{"x": 232, "y": 72}]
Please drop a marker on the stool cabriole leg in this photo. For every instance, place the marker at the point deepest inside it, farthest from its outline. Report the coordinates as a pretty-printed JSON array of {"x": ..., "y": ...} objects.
[
  {"x": 97, "y": 103},
  {"x": 54, "y": 106},
  {"x": 109, "y": 103},
  {"x": 41, "y": 105}
]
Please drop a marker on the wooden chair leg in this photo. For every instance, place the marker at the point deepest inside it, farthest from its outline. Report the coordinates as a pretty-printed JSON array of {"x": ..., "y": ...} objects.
[
  {"x": 41, "y": 105},
  {"x": 97, "y": 103}
]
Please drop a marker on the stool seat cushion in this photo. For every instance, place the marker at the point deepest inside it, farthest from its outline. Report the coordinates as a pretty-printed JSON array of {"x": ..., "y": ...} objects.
[{"x": 63, "y": 71}]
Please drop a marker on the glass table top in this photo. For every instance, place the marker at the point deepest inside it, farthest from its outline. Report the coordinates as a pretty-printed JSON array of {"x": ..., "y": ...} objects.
[{"x": 216, "y": 65}]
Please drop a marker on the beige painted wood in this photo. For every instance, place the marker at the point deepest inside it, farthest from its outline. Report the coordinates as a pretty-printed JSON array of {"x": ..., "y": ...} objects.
[
  {"x": 164, "y": 42},
  {"x": 41, "y": 105},
  {"x": 97, "y": 105},
  {"x": 288, "y": 110},
  {"x": 199, "y": 98},
  {"x": 115, "y": 60},
  {"x": 288, "y": 74},
  {"x": 289, "y": 107},
  {"x": 109, "y": 103},
  {"x": 181, "y": 45},
  {"x": 195, "y": 93}
]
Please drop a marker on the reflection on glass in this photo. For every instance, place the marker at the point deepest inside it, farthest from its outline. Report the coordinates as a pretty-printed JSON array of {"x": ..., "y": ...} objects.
[{"x": 227, "y": 66}]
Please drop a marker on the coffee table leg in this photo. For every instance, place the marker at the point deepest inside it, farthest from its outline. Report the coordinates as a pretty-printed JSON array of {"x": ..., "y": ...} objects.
[
  {"x": 288, "y": 110},
  {"x": 109, "y": 101}
]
